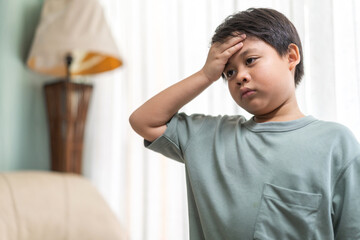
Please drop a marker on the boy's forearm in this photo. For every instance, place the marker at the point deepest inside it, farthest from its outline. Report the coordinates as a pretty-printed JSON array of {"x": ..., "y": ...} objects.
[{"x": 150, "y": 119}]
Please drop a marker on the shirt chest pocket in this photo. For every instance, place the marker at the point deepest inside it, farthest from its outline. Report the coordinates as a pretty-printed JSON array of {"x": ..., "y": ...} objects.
[{"x": 286, "y": 214}]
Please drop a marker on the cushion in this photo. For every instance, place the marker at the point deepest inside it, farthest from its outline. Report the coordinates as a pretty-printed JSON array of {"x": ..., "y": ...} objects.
[{"x": 50, "y": 205}]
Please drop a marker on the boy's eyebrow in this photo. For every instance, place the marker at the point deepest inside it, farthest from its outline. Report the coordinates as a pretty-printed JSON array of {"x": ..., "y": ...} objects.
[{"x": 247, "y": 51}]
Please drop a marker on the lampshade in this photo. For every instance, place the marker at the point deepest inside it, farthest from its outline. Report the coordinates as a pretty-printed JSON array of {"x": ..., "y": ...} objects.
[{"x": 76, "y": 27}]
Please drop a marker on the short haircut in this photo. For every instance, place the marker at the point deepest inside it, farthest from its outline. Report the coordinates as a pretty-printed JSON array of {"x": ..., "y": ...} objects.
[{"x": 266, "y": 24}]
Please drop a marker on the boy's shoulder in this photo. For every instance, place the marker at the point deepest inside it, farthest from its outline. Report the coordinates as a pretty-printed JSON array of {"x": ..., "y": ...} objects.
[
  {"x": 337, "y": 136},
  {"x": 333, "y": 128}
]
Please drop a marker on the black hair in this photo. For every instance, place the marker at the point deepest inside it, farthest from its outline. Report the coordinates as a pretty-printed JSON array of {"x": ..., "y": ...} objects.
[{"x": 266, "y": 24}]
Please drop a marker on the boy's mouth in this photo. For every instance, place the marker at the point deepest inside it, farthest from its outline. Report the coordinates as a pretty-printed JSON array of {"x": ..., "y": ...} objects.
[{"x": 246, "y": 92}]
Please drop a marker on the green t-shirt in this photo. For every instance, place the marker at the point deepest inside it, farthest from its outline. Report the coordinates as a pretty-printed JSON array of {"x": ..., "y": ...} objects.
[{"x": 277, "y": 180}]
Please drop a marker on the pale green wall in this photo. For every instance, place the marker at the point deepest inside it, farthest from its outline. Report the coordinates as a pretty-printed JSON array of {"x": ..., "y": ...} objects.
[{"x": 23, "y": 125}]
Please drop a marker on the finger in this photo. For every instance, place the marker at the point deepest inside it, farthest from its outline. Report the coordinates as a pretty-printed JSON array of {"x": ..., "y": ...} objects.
[
  {"x": 232, "y": 50},
  {"x": 231, "y": 41}
]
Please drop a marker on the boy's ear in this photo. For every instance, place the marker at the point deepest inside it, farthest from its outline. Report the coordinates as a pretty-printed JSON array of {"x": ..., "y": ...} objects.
[{"x": 293, "y": 56}]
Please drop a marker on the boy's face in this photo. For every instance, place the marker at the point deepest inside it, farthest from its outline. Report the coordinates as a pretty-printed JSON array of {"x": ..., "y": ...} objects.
[{"x": 259, "y": 79}]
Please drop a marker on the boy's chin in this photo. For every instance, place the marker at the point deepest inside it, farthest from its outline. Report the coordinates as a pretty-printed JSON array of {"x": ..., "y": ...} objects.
[{"x": 255, "y": 112}]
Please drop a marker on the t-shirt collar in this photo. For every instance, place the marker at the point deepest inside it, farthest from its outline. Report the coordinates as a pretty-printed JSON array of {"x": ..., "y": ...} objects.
[{"x": 279, "y": 126}]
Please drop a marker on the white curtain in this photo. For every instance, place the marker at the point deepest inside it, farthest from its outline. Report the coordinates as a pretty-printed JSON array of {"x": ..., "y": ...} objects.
[{"x": 164, "y": 41}]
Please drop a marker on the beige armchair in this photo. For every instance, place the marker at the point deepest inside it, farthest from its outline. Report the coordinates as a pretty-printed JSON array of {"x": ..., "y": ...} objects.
[{"x": 53, "y": 206}]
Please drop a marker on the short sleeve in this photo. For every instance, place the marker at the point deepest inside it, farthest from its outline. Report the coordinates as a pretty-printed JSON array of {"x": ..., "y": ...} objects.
[
  {"x": 180, "y": 130},
  {"x": 346, "y": 203}
]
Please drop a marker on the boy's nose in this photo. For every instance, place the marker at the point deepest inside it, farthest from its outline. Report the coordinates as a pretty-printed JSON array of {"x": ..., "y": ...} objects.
[
  {"x": 243, "y": 81},
  {"x": 242, "y": 78}
]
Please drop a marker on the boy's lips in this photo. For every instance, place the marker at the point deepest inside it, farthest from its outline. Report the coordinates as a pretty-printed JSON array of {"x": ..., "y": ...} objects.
[{"x": 245, "y": 92}]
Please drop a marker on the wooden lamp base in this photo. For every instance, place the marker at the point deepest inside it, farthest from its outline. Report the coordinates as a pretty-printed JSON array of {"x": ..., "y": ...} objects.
[{"x": 67, "y": 104}]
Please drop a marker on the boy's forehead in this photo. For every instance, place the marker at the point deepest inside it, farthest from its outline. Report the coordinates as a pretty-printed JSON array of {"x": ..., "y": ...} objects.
[{"x": 251, "y": 44}]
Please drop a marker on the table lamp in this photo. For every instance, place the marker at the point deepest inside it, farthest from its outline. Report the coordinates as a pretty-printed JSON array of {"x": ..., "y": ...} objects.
[{"x": 72, "y": 39}]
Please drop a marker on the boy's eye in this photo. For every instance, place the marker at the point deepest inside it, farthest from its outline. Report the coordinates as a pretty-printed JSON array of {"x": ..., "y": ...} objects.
[
  {"x": 229, "y": 74},
  {"x": 250, "y": 61}
]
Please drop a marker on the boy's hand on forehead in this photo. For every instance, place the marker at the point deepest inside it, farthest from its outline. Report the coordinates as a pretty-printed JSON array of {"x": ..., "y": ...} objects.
[{"x": 219, "y": 55}]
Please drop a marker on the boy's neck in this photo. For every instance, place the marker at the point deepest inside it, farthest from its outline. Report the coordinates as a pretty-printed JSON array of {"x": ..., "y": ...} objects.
[
  {"x": 266, "y": 118},
  {"x": 287, "y": 112}
]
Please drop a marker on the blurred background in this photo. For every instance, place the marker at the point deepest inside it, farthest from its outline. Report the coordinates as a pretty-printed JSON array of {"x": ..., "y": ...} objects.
[{"x": 161, "y": 42}]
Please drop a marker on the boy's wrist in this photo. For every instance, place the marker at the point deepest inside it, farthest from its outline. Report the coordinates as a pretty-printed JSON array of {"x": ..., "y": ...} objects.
[{"x": 206, "y": 77}]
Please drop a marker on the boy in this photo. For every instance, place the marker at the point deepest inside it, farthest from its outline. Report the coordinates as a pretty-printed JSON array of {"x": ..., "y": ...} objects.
[{"x": 280, "y": 175}]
